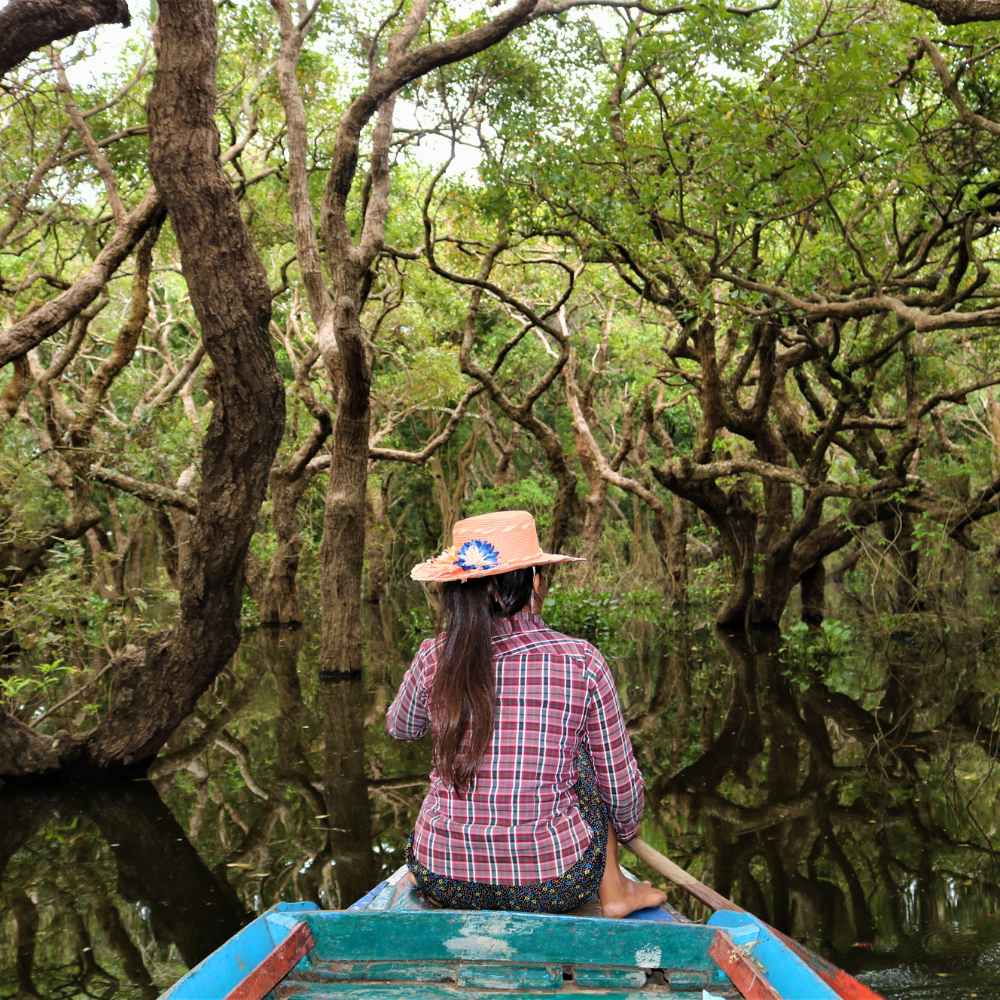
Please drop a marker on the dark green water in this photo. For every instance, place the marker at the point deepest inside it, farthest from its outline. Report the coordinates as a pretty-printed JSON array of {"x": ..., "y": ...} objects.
[{"x": 852, "y": 802}]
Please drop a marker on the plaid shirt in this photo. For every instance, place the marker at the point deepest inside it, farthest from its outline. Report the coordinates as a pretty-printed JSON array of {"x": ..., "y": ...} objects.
[{"x": 518, "y": 821}]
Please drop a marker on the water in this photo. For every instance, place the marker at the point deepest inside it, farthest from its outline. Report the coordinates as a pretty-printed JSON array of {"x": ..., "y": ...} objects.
[{"x": 850, "y": 801}]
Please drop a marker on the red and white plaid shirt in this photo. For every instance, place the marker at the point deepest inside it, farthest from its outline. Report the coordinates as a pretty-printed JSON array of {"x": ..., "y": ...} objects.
[{"x": 519, "y": 822}]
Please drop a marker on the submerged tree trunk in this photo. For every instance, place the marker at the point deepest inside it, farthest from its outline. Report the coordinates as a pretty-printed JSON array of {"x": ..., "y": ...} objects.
[
  {"x": 155, "y": 688},
  {"x": 194, "y": 908}
]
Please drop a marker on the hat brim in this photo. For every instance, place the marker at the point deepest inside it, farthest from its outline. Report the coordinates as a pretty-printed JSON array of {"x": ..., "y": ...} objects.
[{"x": 432, "y": 571}]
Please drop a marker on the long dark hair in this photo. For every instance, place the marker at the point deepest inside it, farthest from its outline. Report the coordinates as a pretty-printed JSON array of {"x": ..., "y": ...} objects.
[{"x": 464, "y": 690}]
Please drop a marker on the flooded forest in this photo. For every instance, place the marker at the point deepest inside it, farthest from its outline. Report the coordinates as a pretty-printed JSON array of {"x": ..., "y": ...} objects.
[{"x": 287, "y": 287}]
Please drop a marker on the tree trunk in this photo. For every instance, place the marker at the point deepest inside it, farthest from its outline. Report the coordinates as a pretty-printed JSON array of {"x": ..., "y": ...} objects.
[
  {"x": 342, "y": 341},
  {"x": 343, "y": 547},
  {"x": 231, "y": 298},
  {"x": 279, "y": 600},
  {"x": 813, "y": 590},
  {"x": 166, "y": 532},
  {"x": 565, "y": 505},
  {"x": 669, "y": 531},
  {"x": 449, "y": 499},
  {"x": 676, "y": 552},
  {"x": 379, "y": 545},
  {"x": 739, "y": 539},
  {"x": 597, "y": 493}
]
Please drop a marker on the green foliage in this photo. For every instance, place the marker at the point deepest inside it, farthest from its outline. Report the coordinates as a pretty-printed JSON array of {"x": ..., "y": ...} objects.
[
  {"x": 426, "y": 376},
  {"x": 808, "y": 651},
  {"x": 419, "y": 625},
  {"x": 929, "y": 536},
  {"x": 608, "y": 619},
  {"x": 675, "y": 171},
  {"x": 20, "y": 690}
]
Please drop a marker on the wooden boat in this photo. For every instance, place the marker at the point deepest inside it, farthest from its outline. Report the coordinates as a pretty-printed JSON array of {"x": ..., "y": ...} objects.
[{"x": 392, "y": 945}]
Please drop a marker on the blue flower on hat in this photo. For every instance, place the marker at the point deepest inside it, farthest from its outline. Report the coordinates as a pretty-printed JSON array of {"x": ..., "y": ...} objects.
[{"x": 477, "y": 554}]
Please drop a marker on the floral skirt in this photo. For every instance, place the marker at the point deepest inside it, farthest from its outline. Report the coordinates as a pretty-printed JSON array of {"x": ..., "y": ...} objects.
[{"x": 555, "y": 895}]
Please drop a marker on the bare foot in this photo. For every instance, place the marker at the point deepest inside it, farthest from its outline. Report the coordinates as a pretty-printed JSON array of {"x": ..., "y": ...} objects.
[
  {"x": 619, "y": 895},
  {"x": 622, "y": 896}
]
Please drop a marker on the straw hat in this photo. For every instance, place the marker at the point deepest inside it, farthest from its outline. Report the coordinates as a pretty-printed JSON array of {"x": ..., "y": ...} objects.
[{"x": 486, "y": 546}]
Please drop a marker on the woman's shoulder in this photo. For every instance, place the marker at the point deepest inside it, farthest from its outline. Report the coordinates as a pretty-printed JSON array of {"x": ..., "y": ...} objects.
[
  {"x": 574, "y": 645},
  {"x": 431, "y": 647},
  {"x": 573, "y": 642}
]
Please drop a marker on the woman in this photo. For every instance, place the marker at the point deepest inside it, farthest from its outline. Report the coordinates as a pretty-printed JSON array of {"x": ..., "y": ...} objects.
[{"x": 534, "y": 781}]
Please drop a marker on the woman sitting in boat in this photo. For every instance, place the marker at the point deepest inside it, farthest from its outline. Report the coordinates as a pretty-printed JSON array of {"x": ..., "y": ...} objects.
[{"x": 534, "y": 783}]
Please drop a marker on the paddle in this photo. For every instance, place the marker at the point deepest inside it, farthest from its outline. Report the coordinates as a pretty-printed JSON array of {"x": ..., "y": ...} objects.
[{"x": 843, "y": 984}]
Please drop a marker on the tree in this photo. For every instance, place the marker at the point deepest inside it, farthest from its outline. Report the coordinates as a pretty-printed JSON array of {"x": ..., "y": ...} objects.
[
  {"x": 797, "y": 294},
  {"x": 336, "y": 309},
  {"x": 687, "y": 316},
  {"x": 158, "y": 686}
]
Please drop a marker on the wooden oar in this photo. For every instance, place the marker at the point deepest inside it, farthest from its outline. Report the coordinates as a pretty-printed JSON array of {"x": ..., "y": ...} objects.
[{"x": 842, "y": 983}]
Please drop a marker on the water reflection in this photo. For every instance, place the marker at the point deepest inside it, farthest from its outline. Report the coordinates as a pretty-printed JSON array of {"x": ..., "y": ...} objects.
[
  {"x": 862, "y": 823},
  {"x": 102, "y": 884},
  {"x": 850, "y": 803},
  {"x": 345, "y": 781}
]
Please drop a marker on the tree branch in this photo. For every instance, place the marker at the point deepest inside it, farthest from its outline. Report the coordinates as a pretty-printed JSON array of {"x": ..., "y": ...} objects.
[
  {"x": 950, "y": 84},
  {"x": 96, "y": 154},
  {"x": 419, "y": 457},
  {"x": 297, "y": 141},
  {"x": 125, "y": 344},
  {"x": 152, "y": 493},
  {"x": 27, "y": 25},
  {"x": 959, "y": 11},
  {"x": 47, "y": 319}
]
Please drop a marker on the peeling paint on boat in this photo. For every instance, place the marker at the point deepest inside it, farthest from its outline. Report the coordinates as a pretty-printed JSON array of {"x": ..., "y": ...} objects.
[
  {"x": 484, "y": 938},
  {"x": 649, "y": 957}
]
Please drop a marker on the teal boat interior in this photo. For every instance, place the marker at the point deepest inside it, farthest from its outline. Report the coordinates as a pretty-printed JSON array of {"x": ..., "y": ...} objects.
[{"x": 393, "y": 945}]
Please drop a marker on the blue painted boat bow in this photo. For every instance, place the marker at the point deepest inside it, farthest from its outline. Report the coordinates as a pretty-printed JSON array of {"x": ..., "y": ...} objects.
[
  {"x": 222, "y": 972},
  {"x": 390, "y": 945}
]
